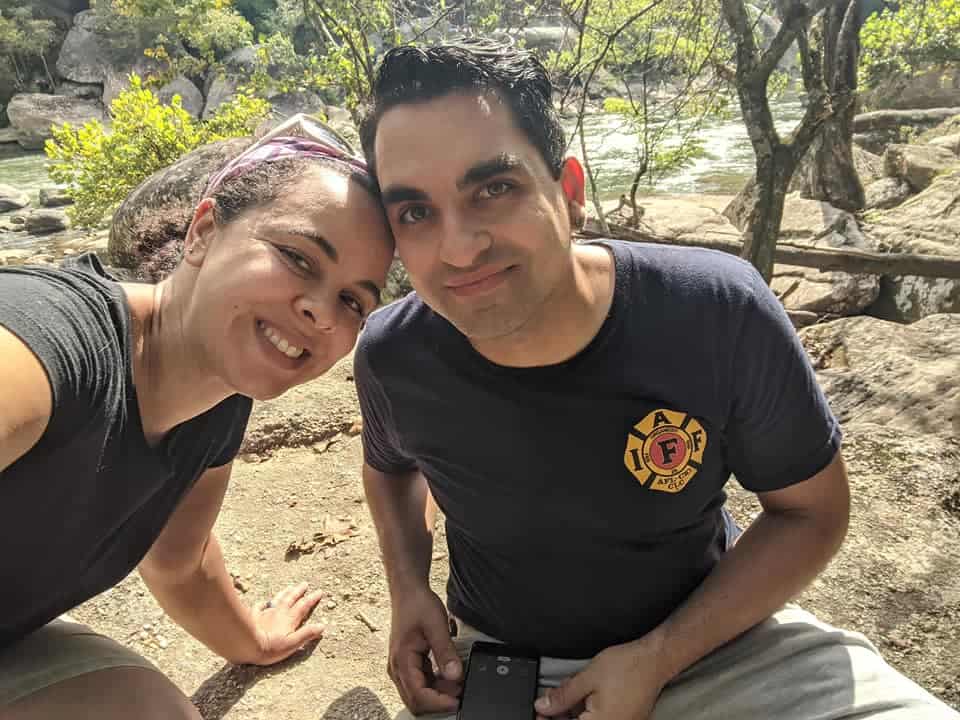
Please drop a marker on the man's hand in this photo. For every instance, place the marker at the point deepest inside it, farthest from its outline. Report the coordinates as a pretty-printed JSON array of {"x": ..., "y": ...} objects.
[
  {"x": 419, "y": 627},
  {"x": 279, "y": 623},
  {"x": 621, "y": 683}
]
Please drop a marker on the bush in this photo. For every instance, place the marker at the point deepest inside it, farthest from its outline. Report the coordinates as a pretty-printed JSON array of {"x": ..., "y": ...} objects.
[{"x": 100, "y": 168}]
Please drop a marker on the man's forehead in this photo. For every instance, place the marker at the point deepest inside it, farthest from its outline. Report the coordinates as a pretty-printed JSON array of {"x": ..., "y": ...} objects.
[{"x": 446, "y": 135}]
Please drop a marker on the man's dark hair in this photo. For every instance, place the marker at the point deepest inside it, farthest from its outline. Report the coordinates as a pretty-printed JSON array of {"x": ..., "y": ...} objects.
[{"x": 410, "y": 74}]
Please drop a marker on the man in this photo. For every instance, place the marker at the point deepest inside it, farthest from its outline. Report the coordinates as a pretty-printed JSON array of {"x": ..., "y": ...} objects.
[{"x": 575, "y": 410}]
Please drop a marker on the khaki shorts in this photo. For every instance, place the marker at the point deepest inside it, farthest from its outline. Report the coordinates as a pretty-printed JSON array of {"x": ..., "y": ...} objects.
[
  {"x": 57, "y": 652},
  {"x": 790, "y": 667}
]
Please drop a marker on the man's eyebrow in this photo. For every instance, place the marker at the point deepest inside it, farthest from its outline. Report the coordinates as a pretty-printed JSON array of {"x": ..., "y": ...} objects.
[
  {"x": 503, "y": 162},
  {"x": 401, "y": 193},
  {"x": 329, "y": 250}
]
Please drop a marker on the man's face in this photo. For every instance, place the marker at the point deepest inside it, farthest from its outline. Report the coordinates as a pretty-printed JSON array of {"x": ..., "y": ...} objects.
[{"x": 481, "y": 224}]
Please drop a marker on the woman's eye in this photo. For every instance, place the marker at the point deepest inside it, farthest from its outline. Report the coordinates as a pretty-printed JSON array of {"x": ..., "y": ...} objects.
[
  {"x": 351, "y": 302},
  {"x": 296, "y": 258},
  {"x": 413, "y": 214},
  {"x": 495, "y": 189}
]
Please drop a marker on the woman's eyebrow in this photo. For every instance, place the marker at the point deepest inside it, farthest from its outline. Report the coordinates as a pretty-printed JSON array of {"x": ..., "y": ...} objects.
[{"x": 329, "y": 250}]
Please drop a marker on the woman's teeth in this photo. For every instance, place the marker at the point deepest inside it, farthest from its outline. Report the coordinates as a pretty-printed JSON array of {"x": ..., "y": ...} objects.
[{"x": 280, "y": 343}]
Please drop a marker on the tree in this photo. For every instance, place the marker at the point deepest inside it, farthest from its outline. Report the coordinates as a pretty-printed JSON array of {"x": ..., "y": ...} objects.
[
  {"x": 25, "y": 39},
  {"x": 640, "y": 44},
  {"x": 761, "y": 205}
]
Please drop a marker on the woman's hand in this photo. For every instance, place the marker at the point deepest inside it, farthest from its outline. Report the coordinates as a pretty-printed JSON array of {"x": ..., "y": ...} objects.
[{"x": 280, "y": 623}]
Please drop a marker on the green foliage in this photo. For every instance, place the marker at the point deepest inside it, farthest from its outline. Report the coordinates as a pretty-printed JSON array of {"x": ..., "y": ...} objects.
[
  {"x": 100, "y": 169},
  {"x": 24, "y": 39},
  {"x": 209, "y": 29},
  {"x": 280, "y": 69},
  {"x": 917, "y": 34}
]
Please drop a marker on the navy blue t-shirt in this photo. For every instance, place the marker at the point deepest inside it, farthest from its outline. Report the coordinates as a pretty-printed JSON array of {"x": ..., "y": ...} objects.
[{"x": 583, "y": 500}]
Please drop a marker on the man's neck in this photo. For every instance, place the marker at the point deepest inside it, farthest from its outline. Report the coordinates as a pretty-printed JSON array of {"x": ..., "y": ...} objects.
[
  {"x": 172, "y": 383},
  {"x": 566, "y": 321}
]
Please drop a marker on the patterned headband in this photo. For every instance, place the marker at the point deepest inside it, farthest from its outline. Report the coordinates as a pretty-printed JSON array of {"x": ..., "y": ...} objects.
[{"x": 282, "y": 147}]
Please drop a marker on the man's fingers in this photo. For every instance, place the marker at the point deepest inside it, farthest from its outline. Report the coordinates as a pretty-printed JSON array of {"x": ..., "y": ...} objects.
[
  {"x": 572, "y": 692},
  {"x": 444, "y": 652},
  {"x": 409, "y": 675},
  {"x": 427, "y": 700}
]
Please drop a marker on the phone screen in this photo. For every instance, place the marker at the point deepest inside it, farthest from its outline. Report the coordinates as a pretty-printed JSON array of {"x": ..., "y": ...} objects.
[{"x": 501, "y": 683}]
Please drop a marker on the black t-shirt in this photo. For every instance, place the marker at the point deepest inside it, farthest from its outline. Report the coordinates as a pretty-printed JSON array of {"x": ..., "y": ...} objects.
[
  {"x": 583, "y": 500},
  {"x": 80, "y": 510}
]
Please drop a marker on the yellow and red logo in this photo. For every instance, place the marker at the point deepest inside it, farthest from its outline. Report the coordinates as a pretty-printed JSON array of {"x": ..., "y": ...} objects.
[{"x": 665, "y": 450}]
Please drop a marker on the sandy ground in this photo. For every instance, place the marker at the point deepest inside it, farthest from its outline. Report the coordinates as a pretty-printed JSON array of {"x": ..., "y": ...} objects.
[{"x": 897, "y": 578}]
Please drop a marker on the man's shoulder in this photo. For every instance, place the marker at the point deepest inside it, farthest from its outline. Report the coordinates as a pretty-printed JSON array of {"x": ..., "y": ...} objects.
[
  {"x": 395, "y": 324},
  {"x": 687, "y": 274}
]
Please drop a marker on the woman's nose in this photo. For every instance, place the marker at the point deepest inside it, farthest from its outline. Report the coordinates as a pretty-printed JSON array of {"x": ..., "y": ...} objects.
[{"x": 319, "y": 314}]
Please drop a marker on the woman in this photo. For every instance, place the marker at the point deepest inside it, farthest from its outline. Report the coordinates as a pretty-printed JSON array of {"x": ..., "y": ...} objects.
[{"x": 123, "y": 406}]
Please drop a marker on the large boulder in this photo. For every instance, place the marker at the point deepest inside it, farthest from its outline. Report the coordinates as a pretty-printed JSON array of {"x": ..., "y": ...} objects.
[
  {"x": 918, "y": 165},
  {"x": 84, "y": 55},
  {"x": 288, "y": 104},
  {"x": 44, "y": 221},
  {"x": 927, "y": 223},
  {"x": 158, "y": 212},
  {"x": 910, "y": 386},
  {"x": 222, "y": 86},
  {"x": 869, "y": 168},
  {"x": 33, "y": 114},
  {"x": 948, "y": 142},
  {"x": 87, "y": 91},
  {"x": 812, "y": 223},
  {"x": 12, "y": 199},
  {"x": 874, "y": 131},
  {"x": 54, "y": 197},
  {"x": 8, "y": 135},
  {"x": 886, "y": 193},
  {"x": 191, "y": 99},
  {"x": 936, "y": 87}
]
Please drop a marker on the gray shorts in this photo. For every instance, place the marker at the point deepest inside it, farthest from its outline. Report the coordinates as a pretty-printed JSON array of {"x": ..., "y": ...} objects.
[
  {"x": 789, "y": 667},
  {"x": 57, "y": 652}
]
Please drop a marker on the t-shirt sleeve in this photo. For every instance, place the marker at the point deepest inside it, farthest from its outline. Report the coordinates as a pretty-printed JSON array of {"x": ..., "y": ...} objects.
[
  {"x": 71, "y": 333},
  {"x": 236, "y": 416},
  {"x": 381, "y": 445},
  {"x": 781, "y": 429}
]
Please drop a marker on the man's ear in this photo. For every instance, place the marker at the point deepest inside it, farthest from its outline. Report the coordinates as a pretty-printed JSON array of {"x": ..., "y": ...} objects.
[
  {"x": 573, "y": 184},
  {"x": 200, "y": 233}
]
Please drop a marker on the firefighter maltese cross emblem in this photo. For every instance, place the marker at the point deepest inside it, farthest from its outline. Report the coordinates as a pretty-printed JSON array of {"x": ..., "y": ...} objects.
[{"x": 665, "y": 450}]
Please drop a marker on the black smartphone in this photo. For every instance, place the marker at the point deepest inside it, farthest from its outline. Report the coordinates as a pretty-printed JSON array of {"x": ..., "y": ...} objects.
[{"x": 500, "y": 684}]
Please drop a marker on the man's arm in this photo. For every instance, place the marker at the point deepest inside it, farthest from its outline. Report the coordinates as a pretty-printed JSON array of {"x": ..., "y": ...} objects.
[
  {"x": 799, "y": 530},
  {"x": 186, "y": 573},
  {"x": 404, "y": 514}
]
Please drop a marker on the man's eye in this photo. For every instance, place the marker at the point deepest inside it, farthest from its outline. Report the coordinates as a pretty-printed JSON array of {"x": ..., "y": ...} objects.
[
  {"x": 413, "y": 214},
  {"x": 495, "y": 189},
  {"x": 351, "y": 302},
  {"x": 296, "y": 258}
]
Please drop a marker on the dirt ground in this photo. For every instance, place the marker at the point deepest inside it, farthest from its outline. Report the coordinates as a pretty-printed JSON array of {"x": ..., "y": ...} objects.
[{"x": 897, "y": 578}]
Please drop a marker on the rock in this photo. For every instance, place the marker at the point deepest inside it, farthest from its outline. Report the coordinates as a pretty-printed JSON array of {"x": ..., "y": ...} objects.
[
  {"x": 950, "y": 126},
  {"x": 290, "y": 104},
  {"x": 874, "y": 131},
  {"x": 116, "y": 78},
  {"x": 12, "y": 199},
  {"x": 159, "y": 210},
  {"x": 910, "y": 386},
  {"x": 84, "y": 54},
  {"x": 886, "y": 193},
  {"x": 917, "y": 164},
  {"x": 191, "y": 99},
  {"x": 868, "y": 165},
  {"x": 937, "y": 87},
  {"x": 221, "y": 89},
  {"x": 41, "y": 222},
  {"x": 555, "y": 38},
  {"x": 54, "y": 197},
  {"x": 32, "y": 114},
  {"x": 87, "y": 91},
  {"x": 925, "y": 223},
  {"x": 341, "y": 121},
  {"x": 949, "y": 142},
  {"x": 8, "y": 135},
  {"x": 288, "y": 421}
]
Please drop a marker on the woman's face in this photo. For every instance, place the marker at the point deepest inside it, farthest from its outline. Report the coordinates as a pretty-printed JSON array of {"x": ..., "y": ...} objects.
[{"x": 283, "y": 290}]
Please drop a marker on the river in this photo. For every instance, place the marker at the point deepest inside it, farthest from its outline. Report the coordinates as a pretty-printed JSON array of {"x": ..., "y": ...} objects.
[{"x": 728, "y": 162}]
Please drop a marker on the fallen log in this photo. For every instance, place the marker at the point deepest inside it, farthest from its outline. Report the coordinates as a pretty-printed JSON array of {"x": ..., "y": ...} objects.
[
  {"x": 891, "y": 119},
  {"x": 847, "y": 260}
]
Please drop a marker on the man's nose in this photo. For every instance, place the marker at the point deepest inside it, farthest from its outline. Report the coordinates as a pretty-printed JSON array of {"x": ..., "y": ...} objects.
[{"x": 463, "y": 242}]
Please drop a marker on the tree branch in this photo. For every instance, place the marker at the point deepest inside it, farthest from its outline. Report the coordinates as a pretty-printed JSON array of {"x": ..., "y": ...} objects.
[{"x": 798, "y": 16}]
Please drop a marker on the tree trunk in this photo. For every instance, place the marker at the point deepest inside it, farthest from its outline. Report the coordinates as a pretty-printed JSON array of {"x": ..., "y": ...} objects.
[
  {"x": 763, "y": 223},
  {"x": 833, "y": 175}
]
